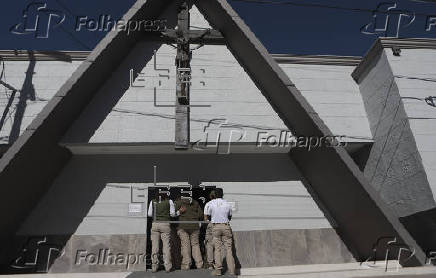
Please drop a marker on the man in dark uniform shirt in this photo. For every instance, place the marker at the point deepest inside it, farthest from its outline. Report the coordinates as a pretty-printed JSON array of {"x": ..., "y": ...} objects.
[{"x": 189, "y": 232}]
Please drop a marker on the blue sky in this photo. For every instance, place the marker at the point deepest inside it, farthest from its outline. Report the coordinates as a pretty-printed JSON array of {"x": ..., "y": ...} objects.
[{"x": 336, "y": 27}]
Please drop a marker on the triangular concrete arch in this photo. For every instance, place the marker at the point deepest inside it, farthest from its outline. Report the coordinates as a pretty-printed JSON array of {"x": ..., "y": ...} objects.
[{"x": 33, "y": 161}]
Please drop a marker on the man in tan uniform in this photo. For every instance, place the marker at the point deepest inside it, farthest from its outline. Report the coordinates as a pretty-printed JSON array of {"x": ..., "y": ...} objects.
[
  {"x": 208, "y": 241},
  {"x": 161, "y": 211},
  {"x": 220, "y": 212},
  {"x": 189, "y": 233}
]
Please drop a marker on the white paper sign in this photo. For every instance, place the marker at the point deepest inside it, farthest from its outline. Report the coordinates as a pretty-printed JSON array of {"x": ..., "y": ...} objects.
[{"x": 135, "y": 208}]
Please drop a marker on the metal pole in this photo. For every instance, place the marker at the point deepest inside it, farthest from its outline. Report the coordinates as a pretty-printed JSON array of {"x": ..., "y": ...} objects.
[{"x": 154, "y": 175}]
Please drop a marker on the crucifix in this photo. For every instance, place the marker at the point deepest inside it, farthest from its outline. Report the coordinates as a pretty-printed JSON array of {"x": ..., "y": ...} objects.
[
  {"x": 183, "y": 80},
  {"x": 183, "y": 37}
]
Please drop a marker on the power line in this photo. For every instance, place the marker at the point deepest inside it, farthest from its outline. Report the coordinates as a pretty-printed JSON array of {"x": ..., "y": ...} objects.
[
  {"x": 65, "y": 7},
  {"x": 64, "y": 29},
  {"x": 75, "y": 38},
  {"x": 313, "y": 5},
  {"x": 416, "y": 78}
]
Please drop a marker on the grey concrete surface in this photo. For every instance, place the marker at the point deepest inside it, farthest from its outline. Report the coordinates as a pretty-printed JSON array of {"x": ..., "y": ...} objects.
[
  {"x": 394, "y": 166},
  {"x": 193, "y": 273},
  {"x": 349, "y": 270}
]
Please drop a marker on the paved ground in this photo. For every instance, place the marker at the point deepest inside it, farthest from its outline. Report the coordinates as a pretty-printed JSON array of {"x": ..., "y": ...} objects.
[
  {"x": 406, "y": 276},
  {"x": 194, "y": 273},
  {"x": 351, "y": 270}
]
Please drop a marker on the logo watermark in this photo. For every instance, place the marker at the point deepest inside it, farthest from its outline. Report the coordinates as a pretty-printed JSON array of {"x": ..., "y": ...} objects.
[
  {"x": 105, "y": 23},
  {"x": 388, "y": 21},
  {"x": 37, "y": 255},
  {"x": 287, "y": 140},
  {"x": 390, "y": 246},
  {"x": 105, "y": 257},
  {"x": 39, "y": 20},
  {"x": 221, "y": 135}
]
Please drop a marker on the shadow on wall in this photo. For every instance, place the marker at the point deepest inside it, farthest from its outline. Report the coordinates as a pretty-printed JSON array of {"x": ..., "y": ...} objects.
[
  {"x": 75, "y": 191},
  {"x": 110, "y": 94},
  {"x": 83, "y": 179},
  {"x": 82, "y": 202},
  {"x": 26, "y": 93}
]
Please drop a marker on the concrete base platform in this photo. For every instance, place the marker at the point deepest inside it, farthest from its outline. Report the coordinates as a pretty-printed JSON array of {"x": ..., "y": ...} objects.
[
  {"x": 193, "y": 273},
  {"x": 349, "y": 270}
]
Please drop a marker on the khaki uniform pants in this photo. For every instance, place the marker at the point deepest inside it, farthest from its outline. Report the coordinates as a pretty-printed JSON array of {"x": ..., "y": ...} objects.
[
  {"x": 223, "y": 238},
  {"x": 189, "y": 240},
  {"x": 161, "y": 231},
  {"x": 209, "y": 244}
]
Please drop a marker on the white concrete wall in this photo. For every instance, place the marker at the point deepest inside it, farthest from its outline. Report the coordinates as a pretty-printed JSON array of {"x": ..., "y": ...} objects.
[
  {"x": 92, "y": 194},
  {"x": 218, "y": 81},
  {"x": 260, "y": 206},
  {"x": 235, "y": 103},
  {"x": 335, "y": 96},
  {"x": 36, "y": 82},
  {"x": 121, "y": 113},
  {"x": 273, "y": 206}
]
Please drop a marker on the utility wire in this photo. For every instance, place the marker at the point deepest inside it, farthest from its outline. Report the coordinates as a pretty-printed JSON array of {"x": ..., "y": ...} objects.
[
  {"x": 416, "y": 78},
  {"x": 430, "y": 100},
  {"x": 65, "y": 7},
  {"x": 75, "y": 38},
  {"x": 312, "y": 5},
  {"x": 72, "y": 36}
]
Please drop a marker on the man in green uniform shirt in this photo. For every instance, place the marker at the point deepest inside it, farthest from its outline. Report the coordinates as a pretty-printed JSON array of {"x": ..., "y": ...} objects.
[
  {"x": 161, "y": 210},
  {"x": 189, "y": 232}
]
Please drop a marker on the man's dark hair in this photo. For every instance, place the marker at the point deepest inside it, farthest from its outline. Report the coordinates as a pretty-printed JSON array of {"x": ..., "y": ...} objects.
[
  {"x": 219, "y": 193},
  {"x": 212, "y": 195},
  {"x": 163, "y": 195}
]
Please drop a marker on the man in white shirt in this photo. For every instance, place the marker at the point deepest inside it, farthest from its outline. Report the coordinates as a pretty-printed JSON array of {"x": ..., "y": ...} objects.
[
  {"x": 164, "y": 211},
  {"x": 208, "y": 240},
  {"x": 220, "y": 212}
]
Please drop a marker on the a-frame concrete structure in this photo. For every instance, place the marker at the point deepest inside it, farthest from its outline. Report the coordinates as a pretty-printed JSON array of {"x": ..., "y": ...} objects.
[{"x": 34, "y": 160}]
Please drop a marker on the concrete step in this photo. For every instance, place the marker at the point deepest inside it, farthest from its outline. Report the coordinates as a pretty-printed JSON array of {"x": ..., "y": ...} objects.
[{"x": 349, "y": 270}]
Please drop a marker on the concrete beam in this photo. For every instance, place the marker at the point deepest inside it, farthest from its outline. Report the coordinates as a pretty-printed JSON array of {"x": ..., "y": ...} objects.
[
  {"x": 334, "y": 178},
  {"x": 29, "y": 166}
]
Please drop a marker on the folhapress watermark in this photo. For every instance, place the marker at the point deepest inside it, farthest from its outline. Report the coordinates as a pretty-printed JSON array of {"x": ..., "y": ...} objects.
[
  {"x": 222, "y": 135},
  {"x": 106, "y": 257},
  {"x": 106, "y": 23},
  {"x": 38, "y": 19},
  {"x": 286, "y": 140}
]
